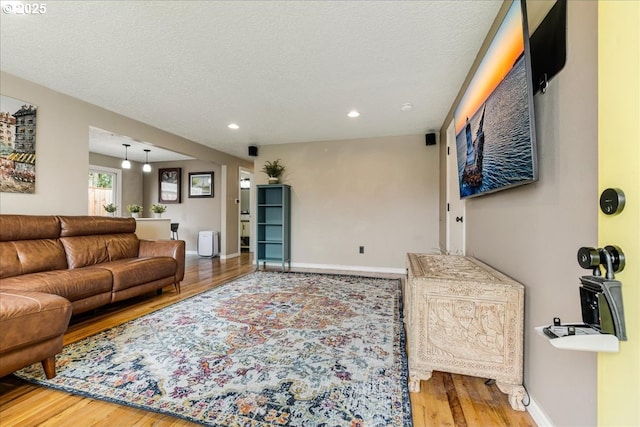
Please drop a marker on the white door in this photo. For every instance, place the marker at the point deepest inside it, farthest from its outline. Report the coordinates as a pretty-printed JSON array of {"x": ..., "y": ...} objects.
[{"x": 455, "y": 206}]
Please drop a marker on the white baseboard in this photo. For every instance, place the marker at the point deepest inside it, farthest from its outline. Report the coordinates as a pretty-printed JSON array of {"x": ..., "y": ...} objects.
[
  {"x": 538, "y": 414},
  {"x": 386, "y": 270},
  {"x": 356, "y": 268},
  {"x": 237, "y": 254},
  {"x": 219, "y": 255}
]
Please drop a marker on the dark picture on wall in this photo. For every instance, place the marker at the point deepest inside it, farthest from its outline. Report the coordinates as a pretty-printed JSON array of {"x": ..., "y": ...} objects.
[
  {"x": 169, "y": 185},
  {"x": 17, "y": 146},
  {"x": 494, "y": 120}
]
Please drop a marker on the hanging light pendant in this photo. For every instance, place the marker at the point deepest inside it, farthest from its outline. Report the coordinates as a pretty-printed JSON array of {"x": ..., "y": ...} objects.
[
  {"x": 147, "y": 166},
  {"x": 126, "y": 164}
]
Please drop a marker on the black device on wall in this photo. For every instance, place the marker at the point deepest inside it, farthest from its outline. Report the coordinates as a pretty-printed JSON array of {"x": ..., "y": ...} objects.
[
  {"x": 601, "y": 297},
  {"x": 253, "y": 151},
  {"x": 430, "y": 138},
  {"x": 548, "y": 46}
]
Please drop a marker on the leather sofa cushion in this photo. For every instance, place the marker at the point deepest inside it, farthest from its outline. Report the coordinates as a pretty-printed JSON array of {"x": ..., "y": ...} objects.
[
  {"x": 85, "y": 250},
  {"x": 123, "y": 246},
  {"x": 71, "y": 284},
  {"x": 31, "y": 317},
  {"x": 31, "y": 256},
  {"x": 135, "y": 271},
  {"x": 82, "y": 251},
  {"x": 92, "y": 225},
  {"x": 28, "y": 227}
]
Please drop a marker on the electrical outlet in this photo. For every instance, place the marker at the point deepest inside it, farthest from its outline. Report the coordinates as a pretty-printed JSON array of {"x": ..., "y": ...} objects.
[{"x": 361, "y": 249}]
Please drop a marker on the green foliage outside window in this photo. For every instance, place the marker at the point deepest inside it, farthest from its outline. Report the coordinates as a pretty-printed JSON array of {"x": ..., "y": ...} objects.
[{"x": 100, "y": 180}]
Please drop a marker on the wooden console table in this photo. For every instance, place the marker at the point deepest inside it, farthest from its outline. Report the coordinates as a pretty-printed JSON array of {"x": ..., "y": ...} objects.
[{"x": 464, "y": 317}]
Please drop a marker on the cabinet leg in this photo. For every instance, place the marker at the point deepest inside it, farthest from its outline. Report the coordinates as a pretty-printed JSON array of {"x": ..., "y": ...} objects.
[
  {"x": 516, "y": 394},
  {"x": 415, "y": 376},
  {"x": 414, "y": 384}
]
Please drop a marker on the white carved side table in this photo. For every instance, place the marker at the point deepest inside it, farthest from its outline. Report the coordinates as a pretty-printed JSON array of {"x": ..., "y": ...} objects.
[{"x": 464, "y": 317}]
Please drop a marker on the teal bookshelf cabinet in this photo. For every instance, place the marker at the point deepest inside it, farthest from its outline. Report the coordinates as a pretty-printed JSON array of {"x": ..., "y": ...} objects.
[{"x": 274, "y": 223}]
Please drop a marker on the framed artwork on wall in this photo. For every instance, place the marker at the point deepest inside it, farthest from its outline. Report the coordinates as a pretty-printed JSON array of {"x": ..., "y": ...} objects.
[
  {"x": 17, "y": 146},
  {"x": 169, "y": 185},
  {"x": 201, "y": 184}
]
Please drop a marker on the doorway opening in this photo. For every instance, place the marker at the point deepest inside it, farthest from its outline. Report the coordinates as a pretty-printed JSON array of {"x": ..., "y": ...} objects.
[{"x": 246, "y": 223}]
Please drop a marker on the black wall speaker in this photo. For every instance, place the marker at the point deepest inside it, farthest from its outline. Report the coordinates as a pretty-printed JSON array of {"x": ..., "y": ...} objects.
[
  {"x": 253, "y": 151},
  {"x": 430, "y": 138}
]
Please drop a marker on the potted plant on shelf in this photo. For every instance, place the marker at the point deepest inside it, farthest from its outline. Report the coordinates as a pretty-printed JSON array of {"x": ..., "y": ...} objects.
[
  {"x": 273, "y": 170},
  {"x": 110, "y": 209},
  {"x": 134, "y": 210},
  {"x": 158, "y": 210}
]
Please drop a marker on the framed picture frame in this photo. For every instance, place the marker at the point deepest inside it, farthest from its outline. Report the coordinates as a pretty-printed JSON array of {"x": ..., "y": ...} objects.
[
  {"x": 170, "y": 185},
  {"x": 18, "y": 146},
  {"x": 201, "y": 184}
]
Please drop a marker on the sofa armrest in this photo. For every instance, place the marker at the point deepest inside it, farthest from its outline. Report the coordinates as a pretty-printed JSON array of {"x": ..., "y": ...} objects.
[{"x": 171, "y": 248}]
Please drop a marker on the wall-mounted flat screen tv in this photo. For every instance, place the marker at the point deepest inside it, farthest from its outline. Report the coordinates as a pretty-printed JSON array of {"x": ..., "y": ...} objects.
[{"x": 494, "y": 120}]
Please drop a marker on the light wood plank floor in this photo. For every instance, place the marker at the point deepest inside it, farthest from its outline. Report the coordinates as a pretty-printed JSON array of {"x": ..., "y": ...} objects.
[{"x": 444, "y": 400}]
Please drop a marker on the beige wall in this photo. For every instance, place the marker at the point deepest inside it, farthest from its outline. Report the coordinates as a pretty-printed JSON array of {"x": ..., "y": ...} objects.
[
  {"x": 380, "y": 193},
  {"x": 193, "y": 214},
  {"x": 532, "y": 233},
  {"x": 63, "y": 155}
]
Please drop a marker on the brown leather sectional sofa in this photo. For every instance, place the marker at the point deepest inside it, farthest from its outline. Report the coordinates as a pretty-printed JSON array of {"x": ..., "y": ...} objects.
[{"x": 88, "y": 261}]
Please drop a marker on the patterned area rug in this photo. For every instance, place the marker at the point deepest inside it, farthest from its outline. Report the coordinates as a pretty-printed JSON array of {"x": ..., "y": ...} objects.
[{"x": 268, "y": 349}]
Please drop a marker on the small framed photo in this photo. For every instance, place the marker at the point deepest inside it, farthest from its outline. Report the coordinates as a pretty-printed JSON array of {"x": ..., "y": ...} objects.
[
  {"x": 169, "y": 185},
  {"x": 201, "y": 184}
]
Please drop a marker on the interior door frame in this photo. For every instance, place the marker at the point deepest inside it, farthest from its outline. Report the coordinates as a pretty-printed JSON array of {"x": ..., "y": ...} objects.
[
  {"x": 455, "y": 230},
  {"x": 249, "y": 174}
]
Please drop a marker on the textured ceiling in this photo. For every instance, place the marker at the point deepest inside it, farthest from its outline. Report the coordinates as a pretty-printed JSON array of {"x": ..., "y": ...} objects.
[{"x": 285, "y": 71}]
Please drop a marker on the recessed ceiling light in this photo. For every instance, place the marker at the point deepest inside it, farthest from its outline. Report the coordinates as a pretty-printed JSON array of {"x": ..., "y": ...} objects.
[
  {"x": 407, "y": 106},
  {"x": 353, "y": 113},
  {"x": 233, "y": 126}
]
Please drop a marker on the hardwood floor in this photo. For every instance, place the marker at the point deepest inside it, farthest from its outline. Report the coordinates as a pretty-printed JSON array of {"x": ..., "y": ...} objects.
[{"x": 444, "y": 400}]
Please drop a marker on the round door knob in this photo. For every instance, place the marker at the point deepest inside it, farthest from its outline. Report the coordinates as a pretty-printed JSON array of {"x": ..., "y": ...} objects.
[
  {"x": 617, "y": 257},
  {"x": 588, "y": 257}
]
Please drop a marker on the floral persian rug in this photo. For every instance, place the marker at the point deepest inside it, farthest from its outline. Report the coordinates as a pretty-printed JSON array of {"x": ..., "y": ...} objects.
[{"x": 268, "y": 349}]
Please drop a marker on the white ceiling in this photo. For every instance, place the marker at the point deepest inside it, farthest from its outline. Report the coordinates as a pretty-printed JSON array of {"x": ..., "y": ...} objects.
[{"x": 284, "y": 71}]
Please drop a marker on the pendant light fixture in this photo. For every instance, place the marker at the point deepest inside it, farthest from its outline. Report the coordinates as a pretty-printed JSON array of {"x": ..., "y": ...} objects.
[
  {"x": 126, "y": 164},
  {"x": 147, "y": 166}
]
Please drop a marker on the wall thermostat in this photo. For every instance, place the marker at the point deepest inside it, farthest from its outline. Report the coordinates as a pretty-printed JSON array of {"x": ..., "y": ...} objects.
[{"x": 612, "y": 201}]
